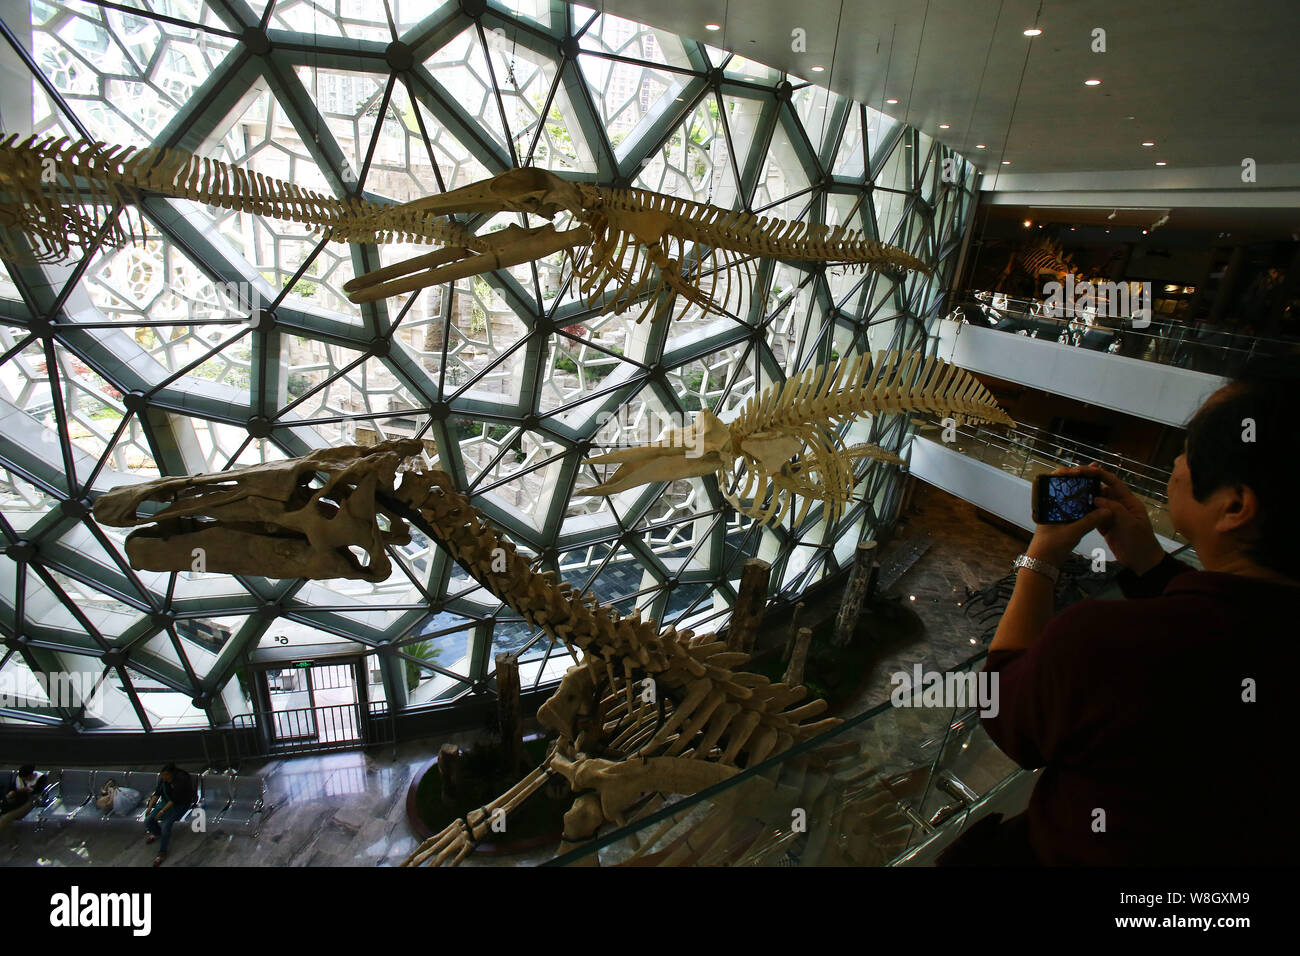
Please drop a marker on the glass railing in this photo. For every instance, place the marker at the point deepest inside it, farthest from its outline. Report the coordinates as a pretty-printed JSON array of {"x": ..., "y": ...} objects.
[
  {"x": 1026, "y": 451},
  {"x": 887, "y": 787},
  {"x": 1217, "y": 351},
  {"x": 866, "y": 793}
]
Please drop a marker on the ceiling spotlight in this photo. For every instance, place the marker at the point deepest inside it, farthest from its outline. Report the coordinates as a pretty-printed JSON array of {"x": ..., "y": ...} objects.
[
  {"x": 1006, "y": 162},
  {"x": 1148, "y": 143},
  {"x": 891, "y": 101},
  {"x": 713, "y": 26},
  {"x": 1028, "y": 223},
  {"x": 1033, "y": 32},
  {"x": 818, "y": 69},
  {"x": 1092, "y": 82},
  {"x": 980, "y": 146},
  {"x": 944, "y": 126},
  {"x": 1161, "y": 163},
  {"x": 1144, "y": 232}
]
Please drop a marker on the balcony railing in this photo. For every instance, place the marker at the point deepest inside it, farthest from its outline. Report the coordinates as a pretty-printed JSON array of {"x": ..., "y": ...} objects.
[
  {"x": 1216, "y": 351},
  {"x": 1026, "y": 451}
]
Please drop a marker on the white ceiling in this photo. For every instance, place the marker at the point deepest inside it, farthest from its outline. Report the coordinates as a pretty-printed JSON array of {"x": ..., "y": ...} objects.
[{"x": 1211, "y": 82}]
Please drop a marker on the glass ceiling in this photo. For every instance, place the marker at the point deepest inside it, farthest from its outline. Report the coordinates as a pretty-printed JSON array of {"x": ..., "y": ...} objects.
[{"x": 225, "y": 340}]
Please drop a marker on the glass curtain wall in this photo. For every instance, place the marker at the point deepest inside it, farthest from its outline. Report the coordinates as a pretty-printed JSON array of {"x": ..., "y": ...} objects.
[{"x": 224, "y": 338}]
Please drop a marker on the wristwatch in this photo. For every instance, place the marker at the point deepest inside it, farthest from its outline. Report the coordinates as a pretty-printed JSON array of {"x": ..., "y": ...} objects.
[{"x": 1051, "y": 572}]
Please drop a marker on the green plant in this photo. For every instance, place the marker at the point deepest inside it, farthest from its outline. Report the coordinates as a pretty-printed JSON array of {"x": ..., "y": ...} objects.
[{"x": 424, "y": 651}]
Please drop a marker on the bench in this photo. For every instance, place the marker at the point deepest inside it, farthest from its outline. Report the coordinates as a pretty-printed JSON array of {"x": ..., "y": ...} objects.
[{"x": 232, "y": 800}]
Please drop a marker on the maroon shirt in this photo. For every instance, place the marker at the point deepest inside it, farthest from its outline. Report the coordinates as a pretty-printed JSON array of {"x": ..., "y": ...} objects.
[{"x": 1136, "y": 707}]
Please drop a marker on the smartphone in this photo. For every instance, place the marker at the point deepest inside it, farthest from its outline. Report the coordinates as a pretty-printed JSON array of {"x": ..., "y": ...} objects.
[{"x": 1061, "y": 499}]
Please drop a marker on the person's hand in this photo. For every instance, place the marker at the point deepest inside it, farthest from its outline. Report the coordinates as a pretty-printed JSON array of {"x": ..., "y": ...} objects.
[
  {"x": 1127, "y": 528},
  {"x": 1054, "y": 543}
]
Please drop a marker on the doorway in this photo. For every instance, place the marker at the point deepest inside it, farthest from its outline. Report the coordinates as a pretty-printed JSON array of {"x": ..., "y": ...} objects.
[{"x": 313, "y": 706}]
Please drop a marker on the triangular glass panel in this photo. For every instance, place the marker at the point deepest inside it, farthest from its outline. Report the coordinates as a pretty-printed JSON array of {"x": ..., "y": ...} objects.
[
  {"x": 131, "y": 74},
  {"x": 694, "y": 162},
  {"x": 461, "y": 68},
  {"x": 850, "y": 155}
]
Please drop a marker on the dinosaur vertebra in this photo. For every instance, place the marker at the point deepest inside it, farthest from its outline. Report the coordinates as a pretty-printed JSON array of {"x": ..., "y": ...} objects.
[{"x": 784, "y": 443}]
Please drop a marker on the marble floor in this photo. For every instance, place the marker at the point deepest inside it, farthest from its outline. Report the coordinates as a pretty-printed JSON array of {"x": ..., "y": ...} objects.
[{"x": 349, "y": 809}]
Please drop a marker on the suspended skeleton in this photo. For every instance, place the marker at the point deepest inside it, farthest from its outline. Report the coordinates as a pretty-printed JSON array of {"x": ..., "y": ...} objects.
[
  {"x": 69, "y": 196},
  {"x": 645, "y": 245},
  {"x": 784, "y": 445}
]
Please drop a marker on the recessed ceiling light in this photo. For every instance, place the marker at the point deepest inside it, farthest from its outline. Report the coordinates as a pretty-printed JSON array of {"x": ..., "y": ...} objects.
[
  {"x": 891, "y": 101},
  {"x": 1092, "y": 82},
  {"x": 944, "y": 126},
  {"x": 1028, "y": 223},
  {"x": 1033, "y": 32},
  {"x": 818, "y": 69},
  {"x": 1162, "y": 163},
  {"x": 1006, "y": 162},
  {"x": 980, "y": 146},
  {"x": 1144, "y": 232},
  {"x": 1148, "y": 143},
  {"x": 713, "y": 26}
]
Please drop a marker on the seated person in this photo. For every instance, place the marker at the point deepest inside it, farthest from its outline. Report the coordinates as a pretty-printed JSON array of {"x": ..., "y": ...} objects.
[
  {"x": 174, "y": 795},
  {"x": 18, "y": 793},
  {"x": 1161, "y": 721}
]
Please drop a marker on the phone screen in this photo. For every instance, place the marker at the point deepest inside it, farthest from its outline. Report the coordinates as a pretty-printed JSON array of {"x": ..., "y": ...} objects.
[{"x": 1065, "y": 498}]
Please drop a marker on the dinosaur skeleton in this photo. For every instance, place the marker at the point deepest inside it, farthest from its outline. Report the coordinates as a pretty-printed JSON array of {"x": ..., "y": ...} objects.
[
  {"x": 74, "y": 195},
  {"x": 641, "y": 242},
  {"x": 621, "y": 751},
  {"x": 784, "y": 444}
]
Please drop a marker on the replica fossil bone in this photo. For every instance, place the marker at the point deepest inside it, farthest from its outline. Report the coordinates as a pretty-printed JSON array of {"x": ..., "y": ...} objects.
[
  {"x": 268, "y": 519},
  {"x": 643, "y": 243},
  {"x": 72, "y": 195},
  {"x": 76, "y": 195},
  {"x": 644, "y": 714},
  {"x": 784, "y": 444}
]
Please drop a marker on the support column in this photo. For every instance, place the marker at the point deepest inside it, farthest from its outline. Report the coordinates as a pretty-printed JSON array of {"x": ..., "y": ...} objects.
[
  {"x": 751, "y": 599},
  {"x": 855, "y": 593},
  {"x": 508, "y": 717}
]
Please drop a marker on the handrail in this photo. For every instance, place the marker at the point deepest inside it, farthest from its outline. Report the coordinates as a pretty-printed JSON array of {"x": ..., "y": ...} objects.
[
  {"x": 1148, "y": 479},
  {"x": 1034, "y": 309},
  {"x": 1209, "y": 349}
]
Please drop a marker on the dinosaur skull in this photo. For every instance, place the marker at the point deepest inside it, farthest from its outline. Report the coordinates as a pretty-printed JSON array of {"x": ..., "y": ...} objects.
[{"x": 268, "y": 519}]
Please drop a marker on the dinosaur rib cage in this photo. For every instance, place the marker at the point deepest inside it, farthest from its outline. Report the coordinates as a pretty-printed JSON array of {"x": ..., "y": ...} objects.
[
  {"x": 717, "y": 713},
  {"x": 68, "y": 192}
]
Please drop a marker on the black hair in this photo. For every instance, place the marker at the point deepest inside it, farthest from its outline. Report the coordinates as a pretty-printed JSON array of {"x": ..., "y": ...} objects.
[
  {"x": 1248, "y": 436},
  {"x": 27, "y": 769},
  {"x": 168, "y": 768}
]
